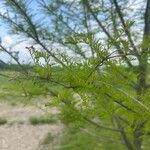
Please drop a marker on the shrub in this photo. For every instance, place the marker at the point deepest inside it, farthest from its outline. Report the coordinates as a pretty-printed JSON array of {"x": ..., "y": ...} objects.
[
  {"x": 2, "y": 121},
  {"x": 42, "y": 120},
  {"x": 47, "y": 139}
]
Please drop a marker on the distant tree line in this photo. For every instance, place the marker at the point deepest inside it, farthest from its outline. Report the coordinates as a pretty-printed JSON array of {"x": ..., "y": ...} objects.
[{"x": 13, "y": 67}]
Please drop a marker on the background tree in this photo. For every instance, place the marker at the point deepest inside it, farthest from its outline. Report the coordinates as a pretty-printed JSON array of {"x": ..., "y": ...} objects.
[{"x": 97, "y": 52}]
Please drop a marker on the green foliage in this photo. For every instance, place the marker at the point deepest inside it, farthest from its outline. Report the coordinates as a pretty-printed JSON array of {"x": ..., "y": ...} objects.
[
  {"x": 2, "y": 121},
  {"x": 80, "y": 139},
  {"x": 89, "y": 56},
  {"x": 15, "y": 90},
  {"x": 48, "y": 139},
  {"x": 42, "y": 120}
]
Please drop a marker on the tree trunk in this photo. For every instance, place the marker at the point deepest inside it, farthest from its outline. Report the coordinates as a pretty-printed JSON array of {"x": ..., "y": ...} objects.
[{"x": 141, "y": 79}]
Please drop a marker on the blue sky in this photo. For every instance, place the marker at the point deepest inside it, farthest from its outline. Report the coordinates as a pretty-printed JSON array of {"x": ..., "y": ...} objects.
[{"x": 10, "y": 40}]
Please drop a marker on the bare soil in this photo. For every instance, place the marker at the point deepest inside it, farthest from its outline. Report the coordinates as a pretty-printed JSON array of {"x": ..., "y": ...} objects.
[{"x": 19, "y": 134}]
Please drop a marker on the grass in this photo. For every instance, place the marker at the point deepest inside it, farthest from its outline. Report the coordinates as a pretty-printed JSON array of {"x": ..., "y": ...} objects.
[
  {"x": 48, "y": 139},
  {"x": 42, "y": 120},
  {"x": 78, "y": 139},
  {"x": 2, "y": 121},
  {"x": 14, "y": 92}
]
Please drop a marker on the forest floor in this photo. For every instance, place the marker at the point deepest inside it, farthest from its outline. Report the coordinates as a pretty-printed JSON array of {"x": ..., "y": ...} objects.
[{"x": 19, "y": 134}]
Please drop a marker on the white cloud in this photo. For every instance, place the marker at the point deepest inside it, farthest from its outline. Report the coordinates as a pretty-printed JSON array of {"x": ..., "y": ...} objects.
[{"x": 9, "y": 41}]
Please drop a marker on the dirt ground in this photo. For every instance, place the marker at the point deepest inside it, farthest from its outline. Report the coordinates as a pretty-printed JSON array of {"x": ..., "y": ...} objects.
[{"x": 19, "y": 134}]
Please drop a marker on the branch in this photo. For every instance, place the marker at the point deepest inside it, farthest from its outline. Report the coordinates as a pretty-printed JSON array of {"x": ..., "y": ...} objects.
[
  {"x": 91, "y": 121},
  {"x": 126, "y": 94},
  {"x": 125, "y": 27},
  {"x": 121, "y": 104},
  {"x": 26, "y": 16},
  {"x": 101, "y": 61},
  {"x": 47, "y": 8},
  {"x": 146, "y": 34},
  {"x": 102, "y": 138},
  {"x": 10, "y": 54},
  {"x": 147, "y": 20},
  {"x": 107, "y": 33},
  {"x": 28, "y": 34},
  {"x": 124, "y": 136}
]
